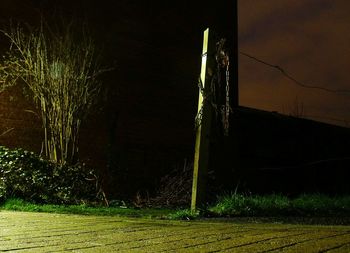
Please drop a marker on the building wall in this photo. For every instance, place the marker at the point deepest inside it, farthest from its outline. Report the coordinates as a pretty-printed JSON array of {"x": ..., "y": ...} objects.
[{"x": 269, "y": 152}]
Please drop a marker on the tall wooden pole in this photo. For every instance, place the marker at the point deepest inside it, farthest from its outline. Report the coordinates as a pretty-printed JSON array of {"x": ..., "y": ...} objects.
[
  {"x": 228, "y": 30},
  {"x": 204, "y": 120}
]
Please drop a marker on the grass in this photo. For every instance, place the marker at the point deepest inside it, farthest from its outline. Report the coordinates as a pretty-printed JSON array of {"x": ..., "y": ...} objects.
[
  {"x": 238, "y": 205},
  {"x": 184, "y": 214},
  {"x": 20, "y": 205},
  {"x": 232, "y": 205}
]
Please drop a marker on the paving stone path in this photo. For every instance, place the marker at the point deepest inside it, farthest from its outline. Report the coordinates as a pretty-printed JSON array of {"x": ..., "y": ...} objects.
[{"x": 43, "y": 232}]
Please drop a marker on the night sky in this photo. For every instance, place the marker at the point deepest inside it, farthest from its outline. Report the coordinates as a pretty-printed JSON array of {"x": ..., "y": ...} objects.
[
  {"x": 162, "y": 41},
  {"x": 310, "y": 40}
]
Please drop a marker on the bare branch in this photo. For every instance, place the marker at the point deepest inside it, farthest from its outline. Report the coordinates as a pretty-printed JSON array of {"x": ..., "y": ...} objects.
[{"x": 61, "y": 70}]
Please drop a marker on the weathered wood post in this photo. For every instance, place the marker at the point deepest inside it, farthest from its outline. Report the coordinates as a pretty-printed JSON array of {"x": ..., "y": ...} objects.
[
  {"x": 227, "y": 23},
  {"x": 203, "y": 124}
]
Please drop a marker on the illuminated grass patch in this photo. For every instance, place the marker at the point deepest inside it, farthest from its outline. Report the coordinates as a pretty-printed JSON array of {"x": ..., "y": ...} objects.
[
  {"x": 228, "y": 206},
  {"x": 236, "y": 205},
  {"x": 20, "y": 205}
]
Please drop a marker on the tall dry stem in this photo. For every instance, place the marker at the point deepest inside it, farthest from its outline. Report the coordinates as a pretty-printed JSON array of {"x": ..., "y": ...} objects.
[{"x": 61, "y": 70}]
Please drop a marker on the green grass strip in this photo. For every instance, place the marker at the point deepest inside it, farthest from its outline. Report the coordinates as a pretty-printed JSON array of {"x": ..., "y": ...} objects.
[
  {"x": 232, "y": 205},
  {"x": 239, "y": 205},
  {"x": 20, "y": 205}
]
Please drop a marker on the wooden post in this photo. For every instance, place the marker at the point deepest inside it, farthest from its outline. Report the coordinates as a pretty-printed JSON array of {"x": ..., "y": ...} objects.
[
  {"x": 201, "y": 154},
  {"x": 226, "y": 25}
]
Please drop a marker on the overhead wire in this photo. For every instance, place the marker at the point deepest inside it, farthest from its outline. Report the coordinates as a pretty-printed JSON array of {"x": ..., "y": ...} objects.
[{"x": 288, "y": 76}]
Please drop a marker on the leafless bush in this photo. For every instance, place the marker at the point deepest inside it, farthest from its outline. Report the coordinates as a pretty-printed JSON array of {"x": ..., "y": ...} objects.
[
  {"x": 61, "y": 70},
  {"x": 176, "y": 187}
]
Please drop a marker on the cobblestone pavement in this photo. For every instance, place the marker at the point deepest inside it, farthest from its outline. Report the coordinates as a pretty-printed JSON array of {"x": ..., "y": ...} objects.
[{"x": 44, "y": 232}]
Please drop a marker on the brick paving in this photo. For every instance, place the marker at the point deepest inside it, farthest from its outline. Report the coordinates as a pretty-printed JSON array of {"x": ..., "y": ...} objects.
[{"x": 44, "y": 232}]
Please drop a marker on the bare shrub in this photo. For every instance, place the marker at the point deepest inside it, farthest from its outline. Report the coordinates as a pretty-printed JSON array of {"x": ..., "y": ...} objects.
[
  {"x": 176, "y": 187},
  {"x": 61, "y": 70}
]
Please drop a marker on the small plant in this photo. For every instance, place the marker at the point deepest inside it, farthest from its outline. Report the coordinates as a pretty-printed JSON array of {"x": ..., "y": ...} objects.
[
  {"x": 28, "y": 176},
  {"x": 184, "y": 214},
  {"x": 234, "y": 204}
]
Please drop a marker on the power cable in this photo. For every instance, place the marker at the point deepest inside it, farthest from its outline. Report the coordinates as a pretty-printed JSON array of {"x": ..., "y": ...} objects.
[{"x": 292, "y": 78}]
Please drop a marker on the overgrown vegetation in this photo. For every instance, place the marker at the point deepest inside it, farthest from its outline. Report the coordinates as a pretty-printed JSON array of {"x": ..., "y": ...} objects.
[
  {"x": 28, "y": 176},
  {"x": 61, "y": 69}
]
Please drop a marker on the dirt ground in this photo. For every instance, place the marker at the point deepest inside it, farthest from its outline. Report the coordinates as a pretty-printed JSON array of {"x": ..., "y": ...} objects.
[{"x": 43, "y": 232}]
